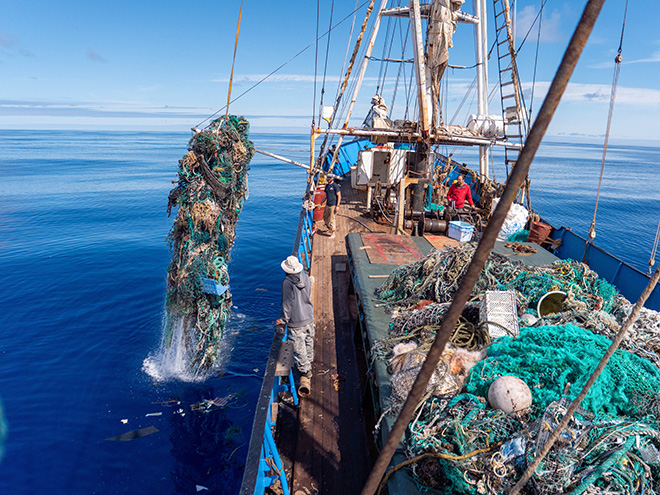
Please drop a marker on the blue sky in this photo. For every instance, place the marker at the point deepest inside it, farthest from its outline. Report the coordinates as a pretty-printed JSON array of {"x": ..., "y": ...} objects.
[{"x": 166, "y": 65}]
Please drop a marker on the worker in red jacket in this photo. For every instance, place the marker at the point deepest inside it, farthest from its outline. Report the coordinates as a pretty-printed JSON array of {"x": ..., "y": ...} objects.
[{"x": 457, "y": 193}]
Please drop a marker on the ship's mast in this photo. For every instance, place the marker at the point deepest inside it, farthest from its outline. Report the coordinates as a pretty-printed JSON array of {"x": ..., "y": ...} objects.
[
  {"x": 420, "y": 67},
  {"x": 423, "y": 162}
]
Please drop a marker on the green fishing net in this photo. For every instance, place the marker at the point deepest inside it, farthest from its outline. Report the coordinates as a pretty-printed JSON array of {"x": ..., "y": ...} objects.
[
  {"x": 212, "y": 186},
  {"x": 550, "y": 359}
]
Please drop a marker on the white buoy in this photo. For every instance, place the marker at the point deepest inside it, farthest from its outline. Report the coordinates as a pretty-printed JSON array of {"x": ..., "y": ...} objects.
[{"x": 509, "y": 393}]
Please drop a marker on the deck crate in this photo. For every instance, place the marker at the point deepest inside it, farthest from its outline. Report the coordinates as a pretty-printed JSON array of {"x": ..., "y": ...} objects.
[
  {"x": 460, "y": 231},
  {"x": 499, "y": 306}
]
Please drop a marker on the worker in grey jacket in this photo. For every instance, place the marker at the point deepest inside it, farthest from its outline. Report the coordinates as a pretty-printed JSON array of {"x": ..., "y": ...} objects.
[{"x": 298, "y": 315}]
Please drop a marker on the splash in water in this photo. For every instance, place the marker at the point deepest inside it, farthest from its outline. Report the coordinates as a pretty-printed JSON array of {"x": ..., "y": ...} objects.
[{"x": 173, "y": 360}]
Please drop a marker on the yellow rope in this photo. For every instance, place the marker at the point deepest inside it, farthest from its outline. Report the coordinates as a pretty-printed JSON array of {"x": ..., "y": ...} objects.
[
  {"x": 231, "y": 77},
  {"x": 440, "y": 455}
]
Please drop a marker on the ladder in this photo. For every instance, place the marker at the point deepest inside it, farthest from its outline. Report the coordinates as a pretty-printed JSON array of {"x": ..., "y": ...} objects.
[{"x": 516, "y": 122}]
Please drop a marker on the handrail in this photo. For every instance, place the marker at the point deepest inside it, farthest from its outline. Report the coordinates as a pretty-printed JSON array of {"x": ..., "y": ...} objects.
[
  {"x": 263, "y": 465},
  {"x": 254, "y": 459}
]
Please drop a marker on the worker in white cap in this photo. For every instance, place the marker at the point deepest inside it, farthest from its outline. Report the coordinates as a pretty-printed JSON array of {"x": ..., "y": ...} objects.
[{"x": 298, "y": 315}]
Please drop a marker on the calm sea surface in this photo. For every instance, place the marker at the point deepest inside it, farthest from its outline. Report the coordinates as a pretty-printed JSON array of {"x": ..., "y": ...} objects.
[{"x": 83, "y": 257}]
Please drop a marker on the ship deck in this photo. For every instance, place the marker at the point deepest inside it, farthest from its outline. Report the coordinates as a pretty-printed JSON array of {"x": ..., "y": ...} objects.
[{"x": 326, "y": 443}]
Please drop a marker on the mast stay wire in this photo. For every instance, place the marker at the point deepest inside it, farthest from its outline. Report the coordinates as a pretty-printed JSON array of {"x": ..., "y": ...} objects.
[
  {"x": 536, "y": 62},
  {"x": 615, "y": 82},
  {"x": 382, "y": 73},
  {"x": 316, "y": 60},
  {"x": 285, "y": 63},
  {"x": 402, "y": 67},
  {"x": 329, "y": 139},
  {"x": 654, "y": 249},
  {"x": 347, "y": 77},
  {"x": 531, "y": 26},
  {"x": 325, "y": 65}
]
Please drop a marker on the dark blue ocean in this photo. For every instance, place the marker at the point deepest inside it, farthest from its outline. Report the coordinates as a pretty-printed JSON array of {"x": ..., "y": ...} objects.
[{"x": 82, "y": 261}]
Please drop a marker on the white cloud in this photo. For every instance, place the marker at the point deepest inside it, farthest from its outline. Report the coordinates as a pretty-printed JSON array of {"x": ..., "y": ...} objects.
[
  {"x": 253, "y": 78},
  {"x": 579, "y": 92},
  {"x": 653, "y": 58},
  {"x": 550, "y": 24}
]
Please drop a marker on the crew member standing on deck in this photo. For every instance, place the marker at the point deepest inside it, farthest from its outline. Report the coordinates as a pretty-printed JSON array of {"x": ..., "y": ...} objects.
[
  {"x": 458, "y": 192},
  {"x": 298, "y": 315},
  {"x": 333, "y": 198}
]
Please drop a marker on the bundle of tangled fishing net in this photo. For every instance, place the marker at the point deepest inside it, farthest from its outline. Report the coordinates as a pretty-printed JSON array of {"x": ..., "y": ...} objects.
[
  {"x": 212, "y": 186},
  {"x": 437, "y": 276},
  {"x": 461, "y": 444}
]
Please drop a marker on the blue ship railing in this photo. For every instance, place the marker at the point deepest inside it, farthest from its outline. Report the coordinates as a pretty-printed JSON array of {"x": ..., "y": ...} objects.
[
  {"x": 263, "y": 466},
  {"x": 629, "y": 280}
]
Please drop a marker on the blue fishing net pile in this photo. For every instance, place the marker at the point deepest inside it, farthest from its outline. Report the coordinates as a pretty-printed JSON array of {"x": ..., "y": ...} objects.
[{"x": 211, "y": 188}]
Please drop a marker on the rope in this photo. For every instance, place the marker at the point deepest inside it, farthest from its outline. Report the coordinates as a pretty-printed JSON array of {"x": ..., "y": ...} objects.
[
  {"x": 233, "y": 60},
  {"x": 654, "y": 249},
  {"x": 437, "y": 455},
  {"x": 615, "y": 82}
]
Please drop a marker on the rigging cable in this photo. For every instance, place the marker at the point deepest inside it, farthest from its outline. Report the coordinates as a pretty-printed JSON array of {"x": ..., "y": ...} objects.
[
  {"x": 654, "y": 249},
  {"x": 325, "y": 65},
  {"x": 316, "y": 62},
  {"x": 536, "y": 63},
  {"x": 349, "y": 70},
  {"x": 330, "y": 138},
  {"x": 404, "y": 44},
  {"x": 382, "y": 72},
  {"x": 531, "y": 27},
  {"x": 284, "y": 64},
  {"x": 615, "y": 82},
  {"x": 231, "y": 76}
]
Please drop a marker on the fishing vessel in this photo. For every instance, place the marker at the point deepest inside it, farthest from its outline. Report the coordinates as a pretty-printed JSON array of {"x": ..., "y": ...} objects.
[{"x": 421, "y": 304}]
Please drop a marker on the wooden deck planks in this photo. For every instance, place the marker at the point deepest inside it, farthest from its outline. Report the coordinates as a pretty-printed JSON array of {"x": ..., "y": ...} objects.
[{"x": 332, "y": 454}]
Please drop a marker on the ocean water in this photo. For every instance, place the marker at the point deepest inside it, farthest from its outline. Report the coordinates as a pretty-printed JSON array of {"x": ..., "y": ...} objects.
[{"x": 83, "y": 257}]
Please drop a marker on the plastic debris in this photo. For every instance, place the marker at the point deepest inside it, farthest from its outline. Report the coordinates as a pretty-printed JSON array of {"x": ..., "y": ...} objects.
[
  {"x": 168, "y": 403},
  {"x": 154, "y": 414},
  {"x": 208, "y": 405},
  {"x": 132, "y": 435}
]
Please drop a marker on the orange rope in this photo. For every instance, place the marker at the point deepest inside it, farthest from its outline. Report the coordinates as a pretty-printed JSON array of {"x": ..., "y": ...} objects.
[{"x": 231, "y": 77}]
